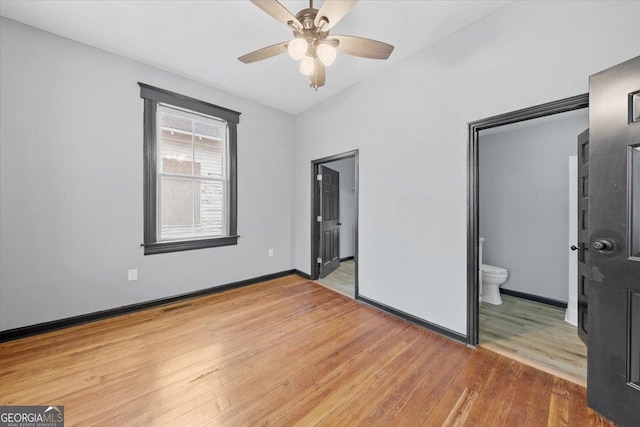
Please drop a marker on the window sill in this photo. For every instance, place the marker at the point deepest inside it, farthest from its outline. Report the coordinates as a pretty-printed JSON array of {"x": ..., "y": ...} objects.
[{"x": 188, "y": 245}]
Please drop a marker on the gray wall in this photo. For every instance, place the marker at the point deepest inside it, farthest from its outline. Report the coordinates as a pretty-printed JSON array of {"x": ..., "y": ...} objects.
[
  {"x": 71, "y": 184},
  {"x": 410, "y": 123},
  {"x": 347, "y": 169},
  {"x": 524, "y": 203},
  {"x": 71, "y": 169}
]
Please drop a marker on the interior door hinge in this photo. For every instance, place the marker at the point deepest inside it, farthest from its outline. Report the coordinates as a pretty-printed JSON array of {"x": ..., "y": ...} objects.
[
  {"x": 319, "y": 260},
  {"x": 319, "y": 177},
  {"x": 319, "y": 219}
]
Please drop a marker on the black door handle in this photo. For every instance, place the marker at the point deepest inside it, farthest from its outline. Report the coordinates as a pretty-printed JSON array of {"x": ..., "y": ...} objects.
[
  {"x": 574, "y": 247},
  {"x": 602, "y": 245},
  {"x": 339, "y": 223}
]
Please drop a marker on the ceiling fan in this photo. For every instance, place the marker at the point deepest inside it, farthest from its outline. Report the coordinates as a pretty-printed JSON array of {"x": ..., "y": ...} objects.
[{"x": 312, "y": 44}]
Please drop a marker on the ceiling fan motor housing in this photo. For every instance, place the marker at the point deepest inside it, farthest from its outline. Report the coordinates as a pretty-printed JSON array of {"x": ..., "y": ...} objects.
[{"x": 307, "y": 17}]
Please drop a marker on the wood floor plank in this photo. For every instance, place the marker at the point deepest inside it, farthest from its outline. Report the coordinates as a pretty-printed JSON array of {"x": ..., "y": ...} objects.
[
  {"x": 424, "y": 397},
  {"x": 493, "y": 406},
  {"x": 578, "y": 411},
  {"x": 326, "y": 385},
  {"x": 466, "y": 386},
  {"x": 270, "y": 388},
  {"x": 282, "y": 352},
  {"x": 362, "y": 404},
  {"x": 160, "y": 348},
  {"x": 387, "y": 401},
  {"x": 219, "y": 369},
  {"x": 534, "y": 333},
  {"x": 531, "y": 403},
  {"x": 559, "y": 405}
]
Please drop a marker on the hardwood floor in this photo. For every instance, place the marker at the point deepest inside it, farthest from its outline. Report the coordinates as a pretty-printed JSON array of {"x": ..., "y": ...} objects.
[
  {"x": 283, "y": 352},
  {"x": 343, "y": 279},
  {"x": 534, "y": 333}
]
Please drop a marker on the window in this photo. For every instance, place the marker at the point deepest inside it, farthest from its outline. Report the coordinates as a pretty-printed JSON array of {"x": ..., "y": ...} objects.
[{"x": 190, "y": 162}]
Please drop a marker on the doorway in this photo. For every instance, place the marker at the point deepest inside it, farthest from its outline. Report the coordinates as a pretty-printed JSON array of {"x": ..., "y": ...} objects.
[
  {"x": 526, "y": 216},
  {"x": 474, "y": 275},
  {"x": 334, "y": 222}
]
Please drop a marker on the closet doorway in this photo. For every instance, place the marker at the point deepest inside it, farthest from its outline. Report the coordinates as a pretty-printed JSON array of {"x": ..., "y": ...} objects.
[{"x": 334, "y": 222}]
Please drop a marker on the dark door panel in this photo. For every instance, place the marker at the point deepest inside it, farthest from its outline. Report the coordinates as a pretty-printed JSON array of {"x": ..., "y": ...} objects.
[
  {"x": 329, "y": 221},
  {"x": 613, "y": 373},
  {"x": 583, "y": 233}
]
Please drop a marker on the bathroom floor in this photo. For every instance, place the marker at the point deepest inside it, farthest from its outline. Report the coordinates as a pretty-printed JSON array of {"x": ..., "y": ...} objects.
[
  {"x": 342, "y": 279},
  {"x": 535, "y": 334}
]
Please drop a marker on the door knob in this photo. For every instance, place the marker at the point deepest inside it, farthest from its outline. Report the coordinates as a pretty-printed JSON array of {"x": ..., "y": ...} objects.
[
  {"x": 339, "y": 223},
  {"x": 574, "y": 247},
  {"x": 602, "y": 245}
]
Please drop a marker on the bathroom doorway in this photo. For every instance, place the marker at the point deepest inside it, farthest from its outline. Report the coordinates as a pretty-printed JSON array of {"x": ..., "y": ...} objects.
[
  {"x": 334, "y": 222},
  {"x": 525, "y": 265}
]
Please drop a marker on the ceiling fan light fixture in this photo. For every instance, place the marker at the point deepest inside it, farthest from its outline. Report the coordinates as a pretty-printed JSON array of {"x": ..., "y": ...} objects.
[
  {"x": 297, "y": 48},
  {"x": 312, "y": 44},
  {"x": 326, "y": 53},
  {"x": 307, "y": 65}
]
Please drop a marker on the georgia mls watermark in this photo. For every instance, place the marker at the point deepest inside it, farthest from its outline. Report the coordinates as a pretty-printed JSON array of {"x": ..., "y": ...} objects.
[{"x": 32, "y": 416}]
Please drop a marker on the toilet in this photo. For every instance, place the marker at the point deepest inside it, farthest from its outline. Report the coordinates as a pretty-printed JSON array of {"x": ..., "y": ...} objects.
[{"x": 490, "y": 279}]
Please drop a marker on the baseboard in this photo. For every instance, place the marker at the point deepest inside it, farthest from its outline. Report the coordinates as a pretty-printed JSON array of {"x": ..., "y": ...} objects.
[
  {"x": 456, "y": 336},
  {"x": 571, "y": 317},
  {"x": 348, "y": 258},
  {"x": 536, "y": 298},
  {"x": 302, "y": 274},
  {"x": 41, "y": 328}
]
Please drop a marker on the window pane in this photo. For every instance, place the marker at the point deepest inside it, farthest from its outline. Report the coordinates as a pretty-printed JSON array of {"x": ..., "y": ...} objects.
[
  {"x": 210, "y": 130},
  {"x": 209, "y": 149},
  {"x": 210, "y": 218},
  {"x": 176, "y": 146},
  {"x": 176, "y": 208}
]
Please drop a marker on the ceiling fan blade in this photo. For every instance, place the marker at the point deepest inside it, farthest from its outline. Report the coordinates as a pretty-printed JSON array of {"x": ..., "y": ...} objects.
[
  {"x": 333, "y": 11},
  {"x": 364, "y": 48},
  {"x": 264, "y": 53},
  {"x": 319, "y": 76},
  {"x": 278, "y": 11}
]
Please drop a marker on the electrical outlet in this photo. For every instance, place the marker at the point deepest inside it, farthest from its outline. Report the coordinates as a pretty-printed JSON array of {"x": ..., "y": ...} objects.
[
  {"x": 270, "y": 252},
  {"x": 133, "y": 274}
]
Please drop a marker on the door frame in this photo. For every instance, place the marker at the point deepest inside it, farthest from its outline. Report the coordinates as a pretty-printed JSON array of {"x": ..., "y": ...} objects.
[
  {"x": 315, "y": 208},
  {"x": 556, "y": 107}
]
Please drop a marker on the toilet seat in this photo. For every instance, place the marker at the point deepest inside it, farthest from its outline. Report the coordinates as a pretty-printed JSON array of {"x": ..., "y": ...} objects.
[{"x": 492, "y": 269}]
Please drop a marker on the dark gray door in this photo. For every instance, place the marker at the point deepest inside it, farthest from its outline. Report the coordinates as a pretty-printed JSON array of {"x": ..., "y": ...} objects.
[
  {"x": 329, "y": 221},
  {"x": 613, "y": 372},
  {"x": 583, "y": 232}
]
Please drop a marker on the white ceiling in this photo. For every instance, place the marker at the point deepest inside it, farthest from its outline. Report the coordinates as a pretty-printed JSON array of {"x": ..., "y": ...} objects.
[{"x": 203, "y": 39}]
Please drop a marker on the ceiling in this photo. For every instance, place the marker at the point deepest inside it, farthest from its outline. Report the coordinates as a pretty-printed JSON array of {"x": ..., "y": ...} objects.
[{"x": 203, "y": 39}]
